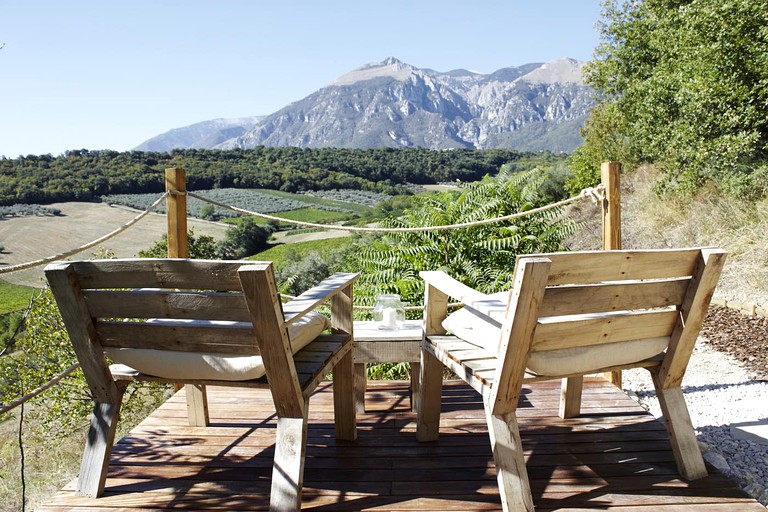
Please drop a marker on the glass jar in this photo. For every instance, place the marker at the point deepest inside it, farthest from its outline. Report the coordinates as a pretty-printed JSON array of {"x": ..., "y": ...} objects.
[{"x": 389, "y": 312}]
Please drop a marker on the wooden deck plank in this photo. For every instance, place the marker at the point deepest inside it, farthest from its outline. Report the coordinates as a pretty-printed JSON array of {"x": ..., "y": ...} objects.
[{"x": 615, "y": 456}]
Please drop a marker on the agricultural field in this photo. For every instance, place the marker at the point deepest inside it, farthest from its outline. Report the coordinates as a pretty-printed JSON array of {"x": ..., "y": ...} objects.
[
  {"x": 30, "y": 238},
  {"x": 259, "y": 201}
]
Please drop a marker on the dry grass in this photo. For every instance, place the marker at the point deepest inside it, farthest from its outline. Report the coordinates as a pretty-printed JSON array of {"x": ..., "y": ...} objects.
[
  {"x": 31, "y": 238},
  {"x": 706, "y": 219}
]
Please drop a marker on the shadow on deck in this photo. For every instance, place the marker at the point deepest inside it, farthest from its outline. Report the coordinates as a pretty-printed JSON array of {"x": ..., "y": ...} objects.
[{"x": 614, "y": 456}]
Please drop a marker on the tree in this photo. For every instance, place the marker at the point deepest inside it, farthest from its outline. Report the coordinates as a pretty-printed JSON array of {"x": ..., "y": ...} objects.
[
  {"x": 203, "y": 247},
  {"x": 482, "y": 257},
  {"x": 684, "y": 84},
  {"x": 246, "y": 238}
]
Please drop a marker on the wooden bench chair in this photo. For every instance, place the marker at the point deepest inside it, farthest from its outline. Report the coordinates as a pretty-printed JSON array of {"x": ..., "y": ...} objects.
[
  {"x": 206, "y": 323},
  {"x": 569, "y": 314}
]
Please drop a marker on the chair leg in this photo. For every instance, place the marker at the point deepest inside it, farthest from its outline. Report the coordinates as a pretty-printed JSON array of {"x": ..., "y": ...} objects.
[
  {"x": 344, "y": 406},
  {"x": 685, "y": 448},
  {"x": 197, "y": 405},
  {"x": 514, "y": 488},
  {"x": 288, "y": 467},
  {"x": 98, "y": 446},
  {"x": 430, "y": 387},
  {"x": 570, "y": 397}
]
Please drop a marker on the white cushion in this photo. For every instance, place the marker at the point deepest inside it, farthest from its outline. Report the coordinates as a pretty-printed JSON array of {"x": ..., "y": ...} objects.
[
  {"x": 212, "y": 366},
  {"x": 485, "y": 332}
]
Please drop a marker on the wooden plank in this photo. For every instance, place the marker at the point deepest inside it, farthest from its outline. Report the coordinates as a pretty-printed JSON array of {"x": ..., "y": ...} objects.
[
  {"x": 583, "y": 330},
  {"x": 263, "y": 299},
  {"x": 160, "y": 273},
  {"x": 692, "y": 315},
  {"x": 179, "y": 336},
  {"x": 605, "y": 462},
  {"x": 517, "y": 333},
  {"x": 507, "y": 448},
  {"x": 451, "y": 287},
  {"x": 288, "y": 469},
  {"x": 317, "y": 295},
  {"x": 585, "y": 267},
  {"x": 344, "y": 400},
  {"x": 570, "y": 397},
  {"x": 596, "y": 298},
  {"x": 82, "y": 333},
  {"x": 148, "y": 303},
  {"x": 197, "y": 405}
]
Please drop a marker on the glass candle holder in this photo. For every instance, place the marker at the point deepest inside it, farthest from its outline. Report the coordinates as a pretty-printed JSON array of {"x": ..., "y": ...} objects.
[{"x": 389, "y": 312}]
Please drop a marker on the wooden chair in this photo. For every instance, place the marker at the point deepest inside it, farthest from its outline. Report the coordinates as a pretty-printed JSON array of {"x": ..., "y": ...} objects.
[
  {"x": 569, "y": 314},
  {"x": 206, "y": 322}
]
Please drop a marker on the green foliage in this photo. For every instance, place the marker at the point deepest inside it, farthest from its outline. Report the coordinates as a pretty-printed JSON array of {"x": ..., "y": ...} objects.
[
  {"x": 244, "y": 239},
  {"x": 482, "y": 256},
  {"x": 685, "y": 85},
  {"x": 81, "y": 175},
  {"x": 284, "y": 254},
  {"x": 300, "y": 273},
  {"x": 202, "y": 247},
  {"x": 14, "y": 297}
]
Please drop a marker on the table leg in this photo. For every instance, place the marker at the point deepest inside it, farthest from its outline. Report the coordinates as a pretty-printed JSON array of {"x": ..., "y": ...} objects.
[
  {"x": 360, "y": 385},
  {"x": 415, "y": 385}
]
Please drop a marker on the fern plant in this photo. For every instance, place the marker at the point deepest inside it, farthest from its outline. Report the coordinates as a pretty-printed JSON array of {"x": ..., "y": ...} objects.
[{"x": 482, "y": 257}]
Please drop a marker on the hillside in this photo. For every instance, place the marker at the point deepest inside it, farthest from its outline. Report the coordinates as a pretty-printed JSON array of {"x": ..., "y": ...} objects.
[{"x": 706, "y": 219}]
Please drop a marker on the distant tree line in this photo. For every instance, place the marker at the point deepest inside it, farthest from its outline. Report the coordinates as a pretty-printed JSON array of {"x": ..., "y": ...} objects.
[{"x": 81, "y": 175}]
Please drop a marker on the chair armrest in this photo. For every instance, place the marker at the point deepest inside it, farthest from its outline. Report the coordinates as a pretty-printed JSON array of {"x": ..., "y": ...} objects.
[
  {"x": 317, "y": 295},
  {"x": 471, "y": 298}
]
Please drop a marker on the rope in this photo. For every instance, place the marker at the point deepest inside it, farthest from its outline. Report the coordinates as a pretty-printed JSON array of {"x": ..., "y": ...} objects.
[
  {"x": 62, "y": 255},
  {"x": 595, "y": 194},
  {"x": 38, "y": 390}
]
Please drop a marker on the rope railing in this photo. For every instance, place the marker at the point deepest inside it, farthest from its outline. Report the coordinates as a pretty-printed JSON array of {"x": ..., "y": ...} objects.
[
  {"x": 66, "y": 254},
  {"x": 595, "y": 194}
]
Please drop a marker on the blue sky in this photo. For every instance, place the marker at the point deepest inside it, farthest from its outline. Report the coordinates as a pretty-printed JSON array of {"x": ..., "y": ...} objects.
[{"x": 105, "y": 74}]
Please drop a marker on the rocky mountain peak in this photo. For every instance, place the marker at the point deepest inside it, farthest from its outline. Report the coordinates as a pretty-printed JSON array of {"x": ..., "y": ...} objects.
[
  {"x": 389, "y": 67},
  {"x": 563, "y": 71}
]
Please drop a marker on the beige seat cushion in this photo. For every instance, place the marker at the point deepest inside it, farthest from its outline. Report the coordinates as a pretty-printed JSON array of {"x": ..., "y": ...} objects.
[
  {"x": 485, "y": 332},
  {"x": 210, "y": 366}
]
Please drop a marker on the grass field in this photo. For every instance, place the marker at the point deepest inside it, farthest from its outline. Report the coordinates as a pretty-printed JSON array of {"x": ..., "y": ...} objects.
[
  {"x": 279, "y": 253},
  {"x": 14, "y": 297}
]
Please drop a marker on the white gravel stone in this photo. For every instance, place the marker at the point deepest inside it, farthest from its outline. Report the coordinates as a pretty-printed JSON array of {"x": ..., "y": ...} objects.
[{"x": 718, "y": 392}]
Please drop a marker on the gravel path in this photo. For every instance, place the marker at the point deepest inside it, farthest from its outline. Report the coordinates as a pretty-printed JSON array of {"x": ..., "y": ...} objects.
[{"x": 726, "y": 384}]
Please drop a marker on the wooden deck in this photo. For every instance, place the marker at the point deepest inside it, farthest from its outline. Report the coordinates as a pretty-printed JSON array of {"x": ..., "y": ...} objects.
[{"x": 614, "y": 457}]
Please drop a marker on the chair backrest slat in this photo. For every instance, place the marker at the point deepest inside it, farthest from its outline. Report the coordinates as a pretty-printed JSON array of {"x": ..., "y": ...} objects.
[
  {"x": 554, "y": 333},
  {"x": 155, "y": 273},
  {"x": 163, "y": 303},
  {"x": 166, "y": 304},
  {"x": 605, "y": 266},
  {"x": 180, "y": 337},
  {"x": 625, "y": 296}
]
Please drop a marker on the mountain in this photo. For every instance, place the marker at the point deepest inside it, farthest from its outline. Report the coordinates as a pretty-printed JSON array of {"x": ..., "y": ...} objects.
[
  {"x": 206, "y": 134},
  {"x": 537, "y": 106}
]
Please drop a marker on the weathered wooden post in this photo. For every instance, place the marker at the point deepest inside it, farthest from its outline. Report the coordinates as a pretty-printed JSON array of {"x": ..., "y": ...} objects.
[
  {"x": 176, "y": 212},
  {"x": 610, "y": 172}
]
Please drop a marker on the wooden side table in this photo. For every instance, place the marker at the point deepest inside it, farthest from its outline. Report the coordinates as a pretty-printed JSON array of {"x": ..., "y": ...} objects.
[{"x": 374, "y": 345}]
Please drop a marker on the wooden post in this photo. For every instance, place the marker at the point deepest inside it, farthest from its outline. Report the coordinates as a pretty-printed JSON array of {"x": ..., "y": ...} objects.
[
  {"x": 610, "y": 172},
  {"x": 176, "y": 212}
]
